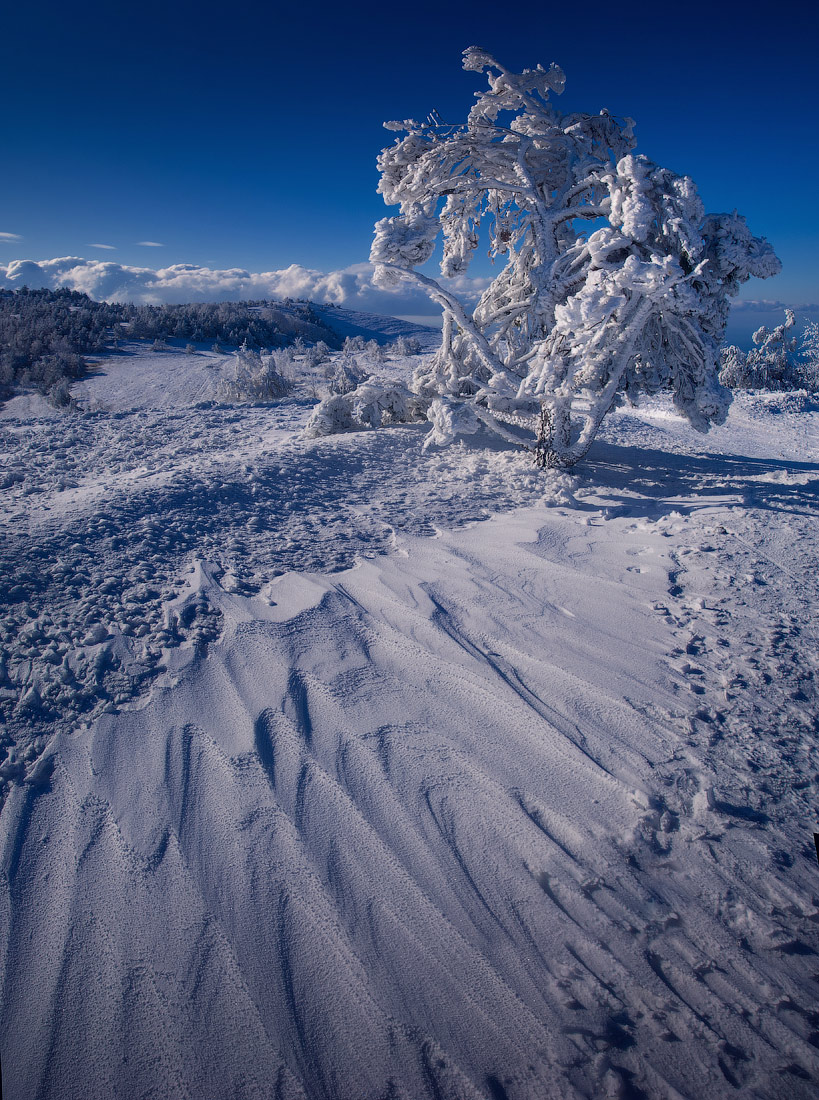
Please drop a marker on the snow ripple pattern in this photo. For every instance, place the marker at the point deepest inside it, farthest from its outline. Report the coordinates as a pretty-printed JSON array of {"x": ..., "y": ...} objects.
[{"x": 521, "y": 811}]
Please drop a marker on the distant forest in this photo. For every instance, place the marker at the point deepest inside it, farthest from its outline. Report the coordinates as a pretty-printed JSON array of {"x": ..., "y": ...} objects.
[{"x": 45, "y": 335}]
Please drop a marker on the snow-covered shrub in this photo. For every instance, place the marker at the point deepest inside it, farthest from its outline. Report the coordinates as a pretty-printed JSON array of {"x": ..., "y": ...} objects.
[
  {"x": 380, "y": 401},
  {"x": 449, "y": 420},
  {"x": 372, "y": 404},
  {"x": 375, "y": 352},
  {"x": 809, "y": 350},
  {"x": 60, "y": 396},
  {"x": 785, "y": 401},
  {"x": 283, "y": 361},
  {"x": 778, "y": 361},
  {"x": 575, "y": 322},
  {"x": 733, "y": 362},
  {"x": 331, "y": 416},
  {"x": 255, "y": 378},
  {"x": 347, "y": 376},
  {"x": 406, "y": 345},
  {"x": 316, "y": 355},
  {"x": 355, "y": 346}
]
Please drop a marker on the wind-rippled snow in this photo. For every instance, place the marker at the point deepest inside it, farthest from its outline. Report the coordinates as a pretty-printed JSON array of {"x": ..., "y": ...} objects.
[{"x": 321, "y": 788}]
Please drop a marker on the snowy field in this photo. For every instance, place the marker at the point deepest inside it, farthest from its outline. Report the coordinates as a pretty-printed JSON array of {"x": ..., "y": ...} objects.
[{"x": 338, "y": 770}]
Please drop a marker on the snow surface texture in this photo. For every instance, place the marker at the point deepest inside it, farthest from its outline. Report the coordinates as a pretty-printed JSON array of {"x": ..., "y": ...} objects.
[{"x": 318, "y": 788}]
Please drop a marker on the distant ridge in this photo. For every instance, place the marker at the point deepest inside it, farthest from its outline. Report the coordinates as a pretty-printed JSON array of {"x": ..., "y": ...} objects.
[{"x": 373, "y": 326}]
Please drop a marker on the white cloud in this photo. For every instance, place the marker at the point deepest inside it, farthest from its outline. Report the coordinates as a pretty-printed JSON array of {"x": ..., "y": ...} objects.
[
  {"x": 151, "y": 244},
  {"x": 764, "y": 305},
  {"x": 352, "y": 287},
  {"x": 109, "y": 247},
  {"x": 10, "y": 237}
]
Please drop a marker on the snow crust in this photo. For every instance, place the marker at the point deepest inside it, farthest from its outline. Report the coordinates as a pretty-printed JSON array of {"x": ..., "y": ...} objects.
[{"x": 346, "y": 768}]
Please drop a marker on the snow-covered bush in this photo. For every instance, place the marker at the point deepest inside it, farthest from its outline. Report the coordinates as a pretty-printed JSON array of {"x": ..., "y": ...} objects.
[
  {"x": 450, "y": 419},
  {"x": 347, "y": 376},
  {"x": 372, "y": 404},
  {"x": 778, "y": 361},
  {"x": 406, "y": 345},
  {"x": 376, "y": 353},
  {"x": 60, "y": 396},
  {"x": 356, "y": 346},
  {"x": 255, "y": 378},
  {"x": 733, "y": 363},
  {"x": 809, "y": 349},
  {"x": 574, "y": 322},
  {"x": 317, "y": 354},
  {"x": 282, "y": 360}
]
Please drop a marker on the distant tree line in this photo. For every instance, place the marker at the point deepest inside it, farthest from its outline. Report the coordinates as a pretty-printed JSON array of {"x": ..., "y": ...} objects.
[{"x": 45, "y": 335}]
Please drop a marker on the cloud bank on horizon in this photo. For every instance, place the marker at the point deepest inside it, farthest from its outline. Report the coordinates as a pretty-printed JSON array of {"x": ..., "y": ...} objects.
[{"x": 351, "y": 287}]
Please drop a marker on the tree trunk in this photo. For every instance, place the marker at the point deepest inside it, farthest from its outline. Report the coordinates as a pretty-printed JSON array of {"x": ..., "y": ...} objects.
[{"x": 554, "y": 436}]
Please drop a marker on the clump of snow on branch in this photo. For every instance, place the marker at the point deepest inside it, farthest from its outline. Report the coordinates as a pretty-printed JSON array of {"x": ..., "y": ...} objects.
[{"x": 574, "y": 322}]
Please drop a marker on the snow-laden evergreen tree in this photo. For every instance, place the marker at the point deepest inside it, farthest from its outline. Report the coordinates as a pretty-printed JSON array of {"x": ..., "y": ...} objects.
[{"x": 575, "y": 320}]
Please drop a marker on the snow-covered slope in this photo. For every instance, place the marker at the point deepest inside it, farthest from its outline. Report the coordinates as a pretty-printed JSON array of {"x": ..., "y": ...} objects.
[
  {"x": 374, "y": 326},
  {"x": 345, "y": 770}
]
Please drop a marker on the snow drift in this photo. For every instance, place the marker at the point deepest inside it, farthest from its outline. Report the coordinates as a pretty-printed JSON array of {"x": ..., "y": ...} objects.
[{"x": 520, "y": 809}]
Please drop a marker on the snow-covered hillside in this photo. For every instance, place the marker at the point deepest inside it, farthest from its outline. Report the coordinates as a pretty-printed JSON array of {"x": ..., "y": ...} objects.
[{"x": 338, "y": 769}]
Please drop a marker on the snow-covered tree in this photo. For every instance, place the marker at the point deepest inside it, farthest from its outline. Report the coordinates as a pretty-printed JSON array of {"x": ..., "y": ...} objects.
[
  {"x": 316, "y": 355},
  {"x": 406, "y": 345},
  {"x": 348, "y": 376},
  {"x": 255, "y": 378},
  {"x": 809, "y": 348},
  {"x": 778, "y": 360},
  {"x": 574, "y": 321}
]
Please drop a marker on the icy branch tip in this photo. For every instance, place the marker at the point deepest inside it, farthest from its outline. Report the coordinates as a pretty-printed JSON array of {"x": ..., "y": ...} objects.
[{"x": 476, "y": 60}]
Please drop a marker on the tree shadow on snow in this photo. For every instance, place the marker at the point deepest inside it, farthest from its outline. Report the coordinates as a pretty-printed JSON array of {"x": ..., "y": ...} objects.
[{"x": 649, "y": 481}]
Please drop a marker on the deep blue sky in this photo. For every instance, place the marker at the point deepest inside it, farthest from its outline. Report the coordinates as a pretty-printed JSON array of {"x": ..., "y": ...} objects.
[{"x": 245, "y": 135}]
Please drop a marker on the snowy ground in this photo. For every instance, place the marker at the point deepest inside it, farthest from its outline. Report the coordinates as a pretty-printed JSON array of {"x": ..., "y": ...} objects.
[{"x": 335, "y": 769}]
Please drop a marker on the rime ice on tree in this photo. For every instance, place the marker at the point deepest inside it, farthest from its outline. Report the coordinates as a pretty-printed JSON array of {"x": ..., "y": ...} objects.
[
  {"x": 778, "y": 360},
  {"x": 573, "y": 323}
]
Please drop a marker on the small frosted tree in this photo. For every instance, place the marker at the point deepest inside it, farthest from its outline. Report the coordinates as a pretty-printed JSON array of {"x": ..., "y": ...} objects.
[
  {"x": 778, "y": 360},
  {"x": 406, "y": 345},
  {"x": 575, "y": 321},
  {"x": 255, "y": 378},
  {"x": 809, "y": 348}
]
